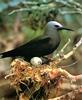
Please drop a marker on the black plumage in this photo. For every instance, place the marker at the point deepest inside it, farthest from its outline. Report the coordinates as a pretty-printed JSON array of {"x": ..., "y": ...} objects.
[{"x": 40, "y": 46}]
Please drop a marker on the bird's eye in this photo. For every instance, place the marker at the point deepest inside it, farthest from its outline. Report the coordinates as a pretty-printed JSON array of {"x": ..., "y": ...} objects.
[{"x": 56, "y": 26}]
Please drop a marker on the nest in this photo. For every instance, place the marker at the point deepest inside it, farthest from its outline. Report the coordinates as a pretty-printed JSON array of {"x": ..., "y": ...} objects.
[
  {"x": 38, "y": 83},
  {"x": 29, "y": 79}
]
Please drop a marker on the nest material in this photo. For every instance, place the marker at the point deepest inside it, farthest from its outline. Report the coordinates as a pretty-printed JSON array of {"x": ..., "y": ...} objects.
[{"x": 27, "y": 78}]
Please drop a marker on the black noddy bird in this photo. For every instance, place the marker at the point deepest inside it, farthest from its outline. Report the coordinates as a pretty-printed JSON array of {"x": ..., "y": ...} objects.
[{"x": 40, "y": 46}]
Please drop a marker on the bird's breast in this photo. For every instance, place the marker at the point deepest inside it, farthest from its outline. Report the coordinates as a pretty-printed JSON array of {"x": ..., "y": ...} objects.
[{"x": 54, "y": 42}]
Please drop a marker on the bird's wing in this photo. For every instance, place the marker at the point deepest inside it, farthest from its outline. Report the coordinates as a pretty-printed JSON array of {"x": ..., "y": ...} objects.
[
  {"x": 33, "y": 46},
  {"x": 38, "y": 40}
]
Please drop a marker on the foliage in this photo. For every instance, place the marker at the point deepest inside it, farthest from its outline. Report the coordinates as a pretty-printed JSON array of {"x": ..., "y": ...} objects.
[{"x": 68, "y": 11}]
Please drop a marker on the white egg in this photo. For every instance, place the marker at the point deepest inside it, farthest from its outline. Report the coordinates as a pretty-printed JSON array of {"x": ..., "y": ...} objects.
[{"x": 35, "y": 61}]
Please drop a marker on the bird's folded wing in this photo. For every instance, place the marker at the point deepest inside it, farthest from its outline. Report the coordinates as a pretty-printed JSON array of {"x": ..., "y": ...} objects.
[
  {"x": 37, "y": 43},
  {"x": 33, "y": 45}
]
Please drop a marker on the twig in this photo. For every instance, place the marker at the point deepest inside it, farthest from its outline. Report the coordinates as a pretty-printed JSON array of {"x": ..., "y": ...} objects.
[
  {"x": 78, "y": 44},
  {"x": 69, "y": 76},
  {"x": 69, "y": 65},
  {"x": 36, "y": 3},
  {"x": 62, "y": 50},
  {"x": 33, "y": 8},
  {"x": 69, "y": 54},
  {"x": 68, "y": 96},
  {"x": 69, "y": 86},
  {"x": 70, "y": 12},
  {"x": 9, "y": 75}
]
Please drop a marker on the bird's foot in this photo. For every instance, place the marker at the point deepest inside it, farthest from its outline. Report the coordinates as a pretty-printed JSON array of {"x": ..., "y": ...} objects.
[{"x": 45, "y": 60}]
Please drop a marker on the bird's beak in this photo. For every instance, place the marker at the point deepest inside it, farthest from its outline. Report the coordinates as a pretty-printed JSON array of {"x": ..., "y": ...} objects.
[
  {"x": 67, "y": 29},
  {"x": 63, "y": 28}
]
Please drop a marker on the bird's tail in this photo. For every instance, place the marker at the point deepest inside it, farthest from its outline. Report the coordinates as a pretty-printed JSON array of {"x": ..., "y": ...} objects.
[
  {"x": 4, "y": 54},
  {"x": 1, "y": 55}
]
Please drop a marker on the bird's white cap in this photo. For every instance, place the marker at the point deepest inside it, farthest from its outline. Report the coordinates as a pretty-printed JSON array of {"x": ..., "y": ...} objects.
[{"x": 54, "y": 23}]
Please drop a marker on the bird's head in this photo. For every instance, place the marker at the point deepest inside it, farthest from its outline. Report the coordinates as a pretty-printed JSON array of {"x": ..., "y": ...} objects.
[{"x": 57, "y": 26}]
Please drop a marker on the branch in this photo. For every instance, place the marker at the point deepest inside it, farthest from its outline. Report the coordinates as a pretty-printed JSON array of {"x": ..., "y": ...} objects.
[
  {"x": 70, "y": 12},
  {"x": 60, "y": 56},
  {"x": 68, "y": 96},
  {"x": 62, "y": 50},
  {"x": 36, "y": 3},
  {"x": 33, "y": 8}
]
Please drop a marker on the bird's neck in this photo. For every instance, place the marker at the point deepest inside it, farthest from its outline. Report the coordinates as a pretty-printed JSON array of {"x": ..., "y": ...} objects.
[
  {"x": 54, "y": 34},
  {"x": 55, "y": 37}
]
